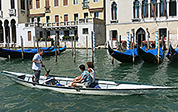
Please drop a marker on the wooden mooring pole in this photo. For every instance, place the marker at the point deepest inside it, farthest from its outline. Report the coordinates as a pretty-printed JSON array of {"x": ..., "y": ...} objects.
[
  {"x": 112, "y": 45},
  {"x": 133, "y": 49},
  {"x": 56, "y": 47},
  {"x": 72, "y": 41},
  {"x": 132, "y": 37},
  {"x": 87, "y": 45},
  {"x": 34, "y": 41},
  {"x": 37, "y": 44},
  {"x": 74, "y": 49},
  {"x": 92, "y": 51},
  {"x": 22, "y": 47}
]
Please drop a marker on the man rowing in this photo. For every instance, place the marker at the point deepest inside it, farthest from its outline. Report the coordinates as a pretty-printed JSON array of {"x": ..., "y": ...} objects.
[{"x": 37, "y": 64}]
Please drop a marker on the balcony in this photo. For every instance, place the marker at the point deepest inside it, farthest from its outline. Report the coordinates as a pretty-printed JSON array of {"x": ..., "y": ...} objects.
[
  {"x": 12, "y": 12},
  {"x": 85, "y": 5},
  {"x": 136, "y": 20},
  {"x": 47, "y": 9},
  {"x": 114, "y": 21},
  {"x": 1, "y": 14}
]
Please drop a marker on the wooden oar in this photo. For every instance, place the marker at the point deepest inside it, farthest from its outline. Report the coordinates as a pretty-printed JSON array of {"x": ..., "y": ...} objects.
[{"x": 47, "y": 71}]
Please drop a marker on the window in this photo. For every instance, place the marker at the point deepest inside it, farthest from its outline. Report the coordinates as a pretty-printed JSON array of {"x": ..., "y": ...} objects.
[
  {"x": 38, "y": 20},
  {"x": 75, "y": 2},
  {"x": 47, "y": 6},
  {"x": 29, "y": 35},
  {"x": 172, "y": 8},
  {"x": 95, "y": 0},
  {"x": 23, "y": 4},
  {"x": 85, "y": 3},
  {"x": 65, "y": 2},
  {"x": 66, "y": 33},
  {"x": 75, "y": 17},
  {"x": 136, "y": 9},
  {"x": 114, "y": 34},
  {"x": 31, "y": 4},
  {"x": 85, "y": 30},
  {"x": 65, "y": 19},
  {"x": 145, "y": 9},
  {"x": 1, "y": 34},
  {"x": 0, "y": 5},
  {"x": 47, "y": 20},
  {"x": 163, "y": 8},
  {"x": 41, "y": 34},
  {"x": 48, "y": 34},
  {"x": 114, "y": 11},
  {"x": 57, "y": 19},
  {"x": 86, "y": 15},
  {"x": 12, "y": 4},
  {"x": 37, "y": 4},
  {"x": 32, "y": 20},
  {"x": 56, "y": 3},
  {"x": 154, "y": 6},
  {"x": 96, "y": 14}
]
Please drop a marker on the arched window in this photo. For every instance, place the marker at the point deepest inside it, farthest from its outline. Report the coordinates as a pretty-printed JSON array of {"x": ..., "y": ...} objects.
[
  {"x": 114, "y": 11},
  {"x": 163, "y": 8},
  {"x": 172, "y": 8},
  {"x": 136, "y": 9},
  {"x": 145, "y": 9},
  {"x": 154, "y": 10}
]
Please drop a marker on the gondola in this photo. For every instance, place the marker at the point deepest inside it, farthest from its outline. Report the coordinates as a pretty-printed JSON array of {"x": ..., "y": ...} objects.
[
  {"x": 150, "y": 56},
  {"x": 28, "y": 53},
  {"x": 102, "y": 87},
  {"x": 172, "y": 54},
  {"x": 127, "y": 56}
]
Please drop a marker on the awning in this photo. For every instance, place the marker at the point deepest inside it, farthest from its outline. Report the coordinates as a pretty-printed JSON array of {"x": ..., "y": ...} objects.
[
  {"x": 95, "y": 9},
  {"x": 36, "y": 15}
]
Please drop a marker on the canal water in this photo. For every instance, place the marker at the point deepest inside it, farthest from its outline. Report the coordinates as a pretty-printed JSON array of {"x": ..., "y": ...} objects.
[{"x": 18, "y": 98}]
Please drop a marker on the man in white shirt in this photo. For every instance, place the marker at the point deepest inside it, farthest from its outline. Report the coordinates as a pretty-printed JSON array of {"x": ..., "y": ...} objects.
[{"x": 37, "y": 63}]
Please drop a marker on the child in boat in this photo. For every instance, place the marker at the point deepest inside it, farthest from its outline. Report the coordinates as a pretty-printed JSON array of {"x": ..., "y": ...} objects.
[
  {"x": 84, "y": 79},
  {"x": 91, "y": 70}
]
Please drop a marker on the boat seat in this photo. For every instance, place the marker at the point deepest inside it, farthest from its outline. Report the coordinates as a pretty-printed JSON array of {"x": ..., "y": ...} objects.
[
  {"x": 21, "y": 77},
  {"x": 51, "y": 82},
  {"x": 95, "y": 85}
]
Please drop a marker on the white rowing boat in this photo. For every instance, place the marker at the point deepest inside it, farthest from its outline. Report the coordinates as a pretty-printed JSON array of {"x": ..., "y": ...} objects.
[{"x": 102, "y": 87}]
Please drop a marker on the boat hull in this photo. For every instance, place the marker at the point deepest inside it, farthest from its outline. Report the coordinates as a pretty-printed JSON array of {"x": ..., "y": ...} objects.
[
  {"x": 149, "y": 57},
  {"x": 16, "y": 54},
  {"x": 121, "y": 56},
  {"x": 172, "y": 54},
  {"x": 107, "y": 87}
]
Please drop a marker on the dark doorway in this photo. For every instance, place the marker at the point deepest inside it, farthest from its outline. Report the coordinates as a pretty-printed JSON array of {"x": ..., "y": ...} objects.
[
  {"x": 7, "y": 31},
  {"x": 140, "y": 37},
  {"x": 1, "y": 33},
  {"x": 13, "y": 26},
  {"x": 162, "y": 38}
]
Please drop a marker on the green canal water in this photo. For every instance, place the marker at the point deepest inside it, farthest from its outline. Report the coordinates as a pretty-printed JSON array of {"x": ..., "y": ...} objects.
[{"x": 18, "y": 98}]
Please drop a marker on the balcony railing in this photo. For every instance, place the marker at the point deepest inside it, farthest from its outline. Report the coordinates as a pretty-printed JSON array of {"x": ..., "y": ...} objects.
[
  {"x": 12, "y": 12},
  {"x": 61, "y": 24},
  {"x": 86, "y": 20}
]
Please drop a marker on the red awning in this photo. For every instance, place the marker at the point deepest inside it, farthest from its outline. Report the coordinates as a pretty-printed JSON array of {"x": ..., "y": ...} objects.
[
  {"x": 95, "y": 9},
  {"x": 36, "y": 15}
]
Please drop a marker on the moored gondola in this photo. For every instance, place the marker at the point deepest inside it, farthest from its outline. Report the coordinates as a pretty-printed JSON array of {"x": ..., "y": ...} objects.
[
  {"x": 28, "y": 53},
  {"x": 127, "y": 56},
  {"x": 150, "y": 56},
  {"x": 172, "y": 54}
]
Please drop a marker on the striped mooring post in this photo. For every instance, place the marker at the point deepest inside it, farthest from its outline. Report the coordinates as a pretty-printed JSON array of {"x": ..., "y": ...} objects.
[
  {"x": 127, "y": 40},
  {"x": 93, "y": 41},
  {"x": 157, "y": 39}
]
